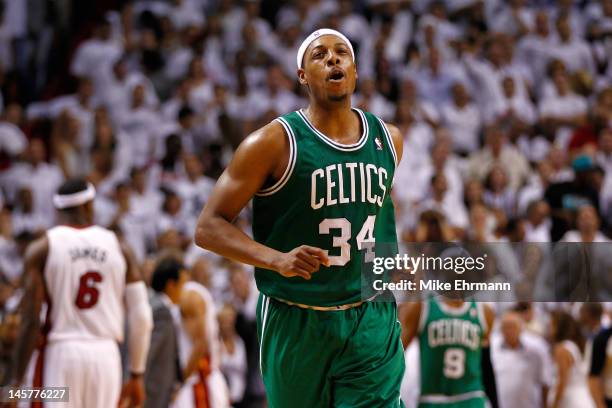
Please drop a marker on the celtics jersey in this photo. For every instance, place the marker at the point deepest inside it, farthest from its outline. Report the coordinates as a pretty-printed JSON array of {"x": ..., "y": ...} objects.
[
  {"x": 332, "y": 196},
  {"x": 450, "y": 349}
]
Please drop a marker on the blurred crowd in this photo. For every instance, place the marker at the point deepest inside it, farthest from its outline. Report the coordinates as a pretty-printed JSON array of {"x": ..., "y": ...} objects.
[{"x": 505, "y": 108}]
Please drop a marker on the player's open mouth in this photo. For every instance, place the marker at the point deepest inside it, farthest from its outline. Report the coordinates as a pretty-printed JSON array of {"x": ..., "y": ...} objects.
[{"x": 336, "y": 75}]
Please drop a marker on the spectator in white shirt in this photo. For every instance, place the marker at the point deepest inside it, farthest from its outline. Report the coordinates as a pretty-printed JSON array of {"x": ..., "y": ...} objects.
[
  {"x": 392, "y": 31},
  {"x": 561, "y": 170},
  {"x": 442, "y": 161},
  {"x": 277, "y": 93},
  {"x": 604, "y": 154},
  {"x": 24, "y": 218},
  {"x": 13, "y": 144},
  {"x": 418, "y": 138},
  {"x": 175, "y": 218},
  {"x": 65, "y": 147},
  {"x": 170, "y": 108},
  {"x": 145, "y": 199},
  {"x": 521, "y": 365},
  {"x": 43, "y": 178},
  {"x": 95, "y": 56},
  {"x": 288, "y": 43},
  {"x": 562, "y": 112},
  {"x": 195, "y": 188},
  {"x": 186, "y": 13},
  {"x": 462, "y": 119},
  {"x": 481, "y": 224},
  {"x": 488, "y": 74},
  {"x": 421, "y": 110},
  {"x": 434, "y": 81},
  {"x": 140, "y": 124},
  {"x": 535, "y": 187},
  {"x": 569, "y": 48},
  {"x": 352, "y": 24},
  {"x": 371, "y": 100},
  {"x": 537, "y": 224},
  {"x": 587, "y": 227},
  {"x": 512, "y": 111},
  {"x": 441, "y": 201},
  {"x": 119, "y": 86},
  {"x": 81, "y": 107},
  {"x": 534, "y": 50},
  {"x": 498, "y": 193},
  {"x": 498, "y": 151},
  {"x": 201, "y": 89},
  {"x": 12, "y": 140},
  {"x": 516, "y": 19},
  {"x": 101, "y": 174},
  {"x": 252, "y": 10},
  {"x": 436, "y": 25},
  {"x": 576, "y": 15}
]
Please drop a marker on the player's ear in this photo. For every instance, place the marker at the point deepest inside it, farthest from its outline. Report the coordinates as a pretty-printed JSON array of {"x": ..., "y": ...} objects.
[{"x": 302, "y": 76}]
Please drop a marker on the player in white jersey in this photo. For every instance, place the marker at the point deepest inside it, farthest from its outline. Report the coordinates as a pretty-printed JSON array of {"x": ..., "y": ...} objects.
[
  {"x": 91, "y": 283},
  {"x": 199, "y": 351}
]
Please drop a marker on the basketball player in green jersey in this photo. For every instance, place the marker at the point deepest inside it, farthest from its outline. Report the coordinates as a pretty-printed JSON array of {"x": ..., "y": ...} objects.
[
  {"x": 320, "y": 179},
  {"x": 451, "y": 335}
]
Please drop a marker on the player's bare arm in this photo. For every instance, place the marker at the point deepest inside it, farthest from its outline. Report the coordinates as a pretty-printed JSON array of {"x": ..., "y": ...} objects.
[
  {"x": 564, "y": 361},
  {"x": 486, "y": 363},
  {"x": 409, "y": 315},
  {"x": 261, "y": 159},
  {"x": 31, "y": 302},
  {"x": 489, "y": 315},
  {"x": 133, "y": 272},
  {"x": 140, "y": 326},
  {"x": 193, "y": 314},
  {"x": 398, "y": 141}
]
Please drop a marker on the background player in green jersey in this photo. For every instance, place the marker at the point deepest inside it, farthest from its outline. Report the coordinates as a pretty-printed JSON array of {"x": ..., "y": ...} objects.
[
  {"x": 453, "y": 337},
  {"x": 320, "y": 179}
]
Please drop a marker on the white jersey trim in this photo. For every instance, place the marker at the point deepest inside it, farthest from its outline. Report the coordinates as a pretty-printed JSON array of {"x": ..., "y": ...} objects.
[
  {"x": 290, "y": 165},
  {"x": 447, "y": 399},
  {"x": 339, "y": 146},
  {"x": 265, "y": 303},
  {"x": 423, "y": 316}
]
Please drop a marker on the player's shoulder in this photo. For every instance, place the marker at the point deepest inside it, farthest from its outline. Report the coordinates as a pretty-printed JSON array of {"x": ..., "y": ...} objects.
[
  {"x": 269, "y": 136},
  {"x": 396, "y": 138},
  {"x": 192, "y": 301},
  {"x": 37, "y": 249},
  {"x": 488, "y": 314}
]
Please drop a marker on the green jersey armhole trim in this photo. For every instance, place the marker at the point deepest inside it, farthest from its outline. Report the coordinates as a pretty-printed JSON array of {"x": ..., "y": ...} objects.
[
  {"x": 290, "y": 165},
  {"x": 345, "y": 148},
  {"x": 389, "y": 140}
]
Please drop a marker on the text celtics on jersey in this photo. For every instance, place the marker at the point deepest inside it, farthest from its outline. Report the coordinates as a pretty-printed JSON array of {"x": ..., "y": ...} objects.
[{"x": 328, "y": 184}]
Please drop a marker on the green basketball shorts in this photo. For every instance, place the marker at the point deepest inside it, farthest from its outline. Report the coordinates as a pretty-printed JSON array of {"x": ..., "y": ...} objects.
[{"x": 342, "y": 358}]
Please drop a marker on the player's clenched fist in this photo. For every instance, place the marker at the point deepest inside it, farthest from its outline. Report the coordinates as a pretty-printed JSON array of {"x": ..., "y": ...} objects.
[{"x": 302, "y": 261}]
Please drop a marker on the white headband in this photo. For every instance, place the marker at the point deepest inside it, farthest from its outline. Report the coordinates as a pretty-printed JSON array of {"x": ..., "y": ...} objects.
[
  {"x": 61, "y": 201},
  {"x": 317, "y": 34}
]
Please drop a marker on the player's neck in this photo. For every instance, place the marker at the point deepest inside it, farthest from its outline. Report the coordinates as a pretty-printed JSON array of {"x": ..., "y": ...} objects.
[
  {"x": 75, "y": 222},
  {"x": 334, "y": 119},
  {"x": 454, "y": 303}
]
